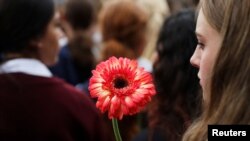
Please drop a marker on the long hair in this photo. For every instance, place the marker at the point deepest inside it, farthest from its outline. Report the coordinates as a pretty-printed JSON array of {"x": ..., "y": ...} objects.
[
  {"x": 230, "y": 85},
  {"x": 122, "y": 22},
  {"x": 176, "y": 102},
  {"x": 81, "y": 15},
  {"x": 157, "y": 11},
  {"x": 22, "y": 21}
]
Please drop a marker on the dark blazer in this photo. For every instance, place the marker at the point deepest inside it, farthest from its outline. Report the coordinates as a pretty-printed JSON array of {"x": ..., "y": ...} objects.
[{"x": 67, "y": 68}]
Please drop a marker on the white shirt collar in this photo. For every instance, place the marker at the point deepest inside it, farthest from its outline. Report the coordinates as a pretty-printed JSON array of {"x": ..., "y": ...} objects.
[{"x": 27, "y": 66}]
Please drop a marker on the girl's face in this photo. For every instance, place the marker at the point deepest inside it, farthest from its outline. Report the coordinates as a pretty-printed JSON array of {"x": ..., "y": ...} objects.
[
  {"x": 209, "y": 42},
  {"x": 49, "y": 43}
]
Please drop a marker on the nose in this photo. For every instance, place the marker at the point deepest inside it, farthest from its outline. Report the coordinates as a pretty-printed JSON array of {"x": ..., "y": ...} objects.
[{"x": 195, "y": 59}]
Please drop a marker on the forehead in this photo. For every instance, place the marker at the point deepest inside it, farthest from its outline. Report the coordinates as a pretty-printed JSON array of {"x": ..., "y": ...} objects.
[{"x": 203, "y": 28}]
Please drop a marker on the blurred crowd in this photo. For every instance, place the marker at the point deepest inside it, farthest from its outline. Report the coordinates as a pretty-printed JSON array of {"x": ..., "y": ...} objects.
[{"x": 49, "y": 48}]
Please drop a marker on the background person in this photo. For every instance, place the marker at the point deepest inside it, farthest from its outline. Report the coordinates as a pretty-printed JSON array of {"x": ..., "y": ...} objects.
[
  {"x": 34, "y": 106},
  {"x": 176, "y": 103}
]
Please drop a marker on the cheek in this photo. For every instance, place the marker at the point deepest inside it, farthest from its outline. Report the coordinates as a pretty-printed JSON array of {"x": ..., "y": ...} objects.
[
  {"x": 56, "y": 37},
  {"x": 54, "y": 43},
  {"x": 204, "y": 79},
  {"x": 205, "y": 73},
  {"x": 52, "y": 40},
  {"x": 53, "y": 48},
  {"x": 205, "y": 69}
]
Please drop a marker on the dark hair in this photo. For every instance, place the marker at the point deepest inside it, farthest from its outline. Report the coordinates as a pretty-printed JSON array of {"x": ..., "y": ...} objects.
[
  {"x": 176, "y": 80},
  {"x": 80, "y": 13},
  {"x": 178, "y": 5},
  {"x": 22, "y": 21}
]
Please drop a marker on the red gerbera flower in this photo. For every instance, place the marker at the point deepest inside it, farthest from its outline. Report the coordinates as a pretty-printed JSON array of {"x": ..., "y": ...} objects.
[{"x": 122, "y": 88}]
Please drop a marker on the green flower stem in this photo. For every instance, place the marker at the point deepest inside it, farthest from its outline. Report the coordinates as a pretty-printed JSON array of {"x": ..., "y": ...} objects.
[{"x": 116, "y": 130}]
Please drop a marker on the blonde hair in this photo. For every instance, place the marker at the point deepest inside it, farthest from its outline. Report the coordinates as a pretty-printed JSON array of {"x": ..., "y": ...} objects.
[
  {"x": 230, "y": 86},
  {"x": 157, "y": 11}
]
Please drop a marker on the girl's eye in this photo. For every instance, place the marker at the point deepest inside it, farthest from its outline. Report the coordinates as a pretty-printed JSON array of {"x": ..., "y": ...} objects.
[{"x": 200, "y": 45}]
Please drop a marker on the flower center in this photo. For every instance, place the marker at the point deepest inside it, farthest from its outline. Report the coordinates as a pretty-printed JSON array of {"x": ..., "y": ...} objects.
[{"x": 120, "y": 82}]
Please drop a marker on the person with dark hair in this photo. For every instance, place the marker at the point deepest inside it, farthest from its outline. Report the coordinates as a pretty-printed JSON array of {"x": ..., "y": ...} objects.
[
  {"x": 176, "y": 103},
  {"x": 34, "y": 105},
  {"x": 76, "y": 59}
]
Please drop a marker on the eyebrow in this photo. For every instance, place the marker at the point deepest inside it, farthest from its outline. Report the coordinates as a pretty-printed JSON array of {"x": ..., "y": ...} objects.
[{"x": 200, "y": 37}]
